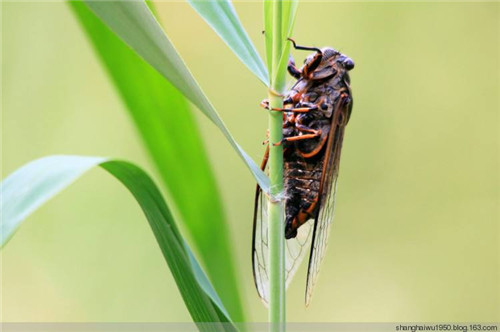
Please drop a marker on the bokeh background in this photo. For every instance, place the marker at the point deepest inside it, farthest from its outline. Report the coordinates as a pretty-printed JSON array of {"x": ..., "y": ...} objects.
[{"x": 416, "y": 234}]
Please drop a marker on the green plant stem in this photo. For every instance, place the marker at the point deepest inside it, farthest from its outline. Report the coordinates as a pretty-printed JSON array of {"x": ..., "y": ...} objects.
[
  {"x": 275, "y": 213},
  {"x": 276, "y": 222}
]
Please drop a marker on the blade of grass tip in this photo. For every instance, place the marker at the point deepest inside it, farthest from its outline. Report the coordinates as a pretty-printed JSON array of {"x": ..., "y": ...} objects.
[
  {"x": 222, "y": 17},
  {"x": 163, "y": 119},
  {"x": 289, "y": 15},
  {"x": 32, "y": 185},
  {"x": 268, "y": 27},
  {"x": 134, "y": 23}
]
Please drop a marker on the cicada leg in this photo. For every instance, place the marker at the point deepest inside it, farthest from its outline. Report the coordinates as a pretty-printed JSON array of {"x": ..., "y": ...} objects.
[
  {"x": 314, "y": 133},
  {"x": 294, "y": 71},
  {"x": 265, "y": 104},
  {"x": 266, "y": 141},
  {"x": 296, "y": 138},
  {"x": 265, "y": 159}
]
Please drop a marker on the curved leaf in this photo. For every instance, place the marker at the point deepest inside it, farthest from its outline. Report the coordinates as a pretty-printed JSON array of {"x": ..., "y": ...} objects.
[
  {"x": 134, "y": 23},
  {"x": 222, "y": 17},
  {"x": 35, "y": 183},
  {"x": 165, "y": 122},
  {"x": 288, "y": 13}
]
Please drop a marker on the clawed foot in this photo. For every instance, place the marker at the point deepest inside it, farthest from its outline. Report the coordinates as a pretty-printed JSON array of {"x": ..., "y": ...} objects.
[
  {"x": 280, "y": 142},
  {"x": 265, "y": 104}
]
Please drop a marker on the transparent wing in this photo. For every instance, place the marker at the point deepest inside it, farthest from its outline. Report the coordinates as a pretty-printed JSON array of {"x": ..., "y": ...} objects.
[
  {"x": 295, "y": 249},
  {"x": 320, "y": 240},
  {"x": 327, "y": 201},
  {"x": 260, "y": 247}
]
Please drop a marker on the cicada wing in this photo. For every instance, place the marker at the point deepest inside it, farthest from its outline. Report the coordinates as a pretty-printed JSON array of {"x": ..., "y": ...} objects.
[
  {"x": 328, "y": 189},
  {"x": 320, "y": 240},
  {"x": 295, "y": 249},
  {"x": 260, "y": 246}
]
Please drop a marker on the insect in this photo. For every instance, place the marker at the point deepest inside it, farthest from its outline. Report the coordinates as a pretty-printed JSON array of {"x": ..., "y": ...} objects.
[{"x": 315, "y": 113}]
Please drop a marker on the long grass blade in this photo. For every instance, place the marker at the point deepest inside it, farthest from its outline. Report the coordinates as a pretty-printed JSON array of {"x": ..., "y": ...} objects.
[
  {"x": 268, "y": 32},
  {"x": 134, "y": 23},
  {"x": 32, "y": 185},
  {"x": 167, "y": 126},
  {"x": 222, "y": 17},
  {"x": 289, "y": 14}
]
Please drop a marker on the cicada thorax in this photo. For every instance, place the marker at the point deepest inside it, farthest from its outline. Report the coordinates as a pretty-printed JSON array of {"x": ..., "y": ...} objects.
[{"x": 304, "y": 159}]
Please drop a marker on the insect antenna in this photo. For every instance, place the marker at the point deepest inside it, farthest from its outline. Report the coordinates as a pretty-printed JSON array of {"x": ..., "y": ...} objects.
[{"x": 305, "y": 48}]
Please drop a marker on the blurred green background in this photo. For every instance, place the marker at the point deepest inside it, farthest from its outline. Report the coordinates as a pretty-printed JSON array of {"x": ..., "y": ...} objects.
[{"x": 416, "y": 234}]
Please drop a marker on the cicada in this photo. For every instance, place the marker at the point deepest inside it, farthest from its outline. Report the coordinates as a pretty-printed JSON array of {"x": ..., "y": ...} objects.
[{"x": 316, "y": 111}]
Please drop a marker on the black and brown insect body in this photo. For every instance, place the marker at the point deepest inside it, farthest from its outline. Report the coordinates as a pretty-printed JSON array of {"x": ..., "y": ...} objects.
[{"x": 315, "y": 113}]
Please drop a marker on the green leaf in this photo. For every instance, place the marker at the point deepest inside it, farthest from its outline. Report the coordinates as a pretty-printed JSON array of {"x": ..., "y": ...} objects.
[
  {"x": 134, "y": 23},
  {"x": 222, "y": 17},
  {"x": 288, "y": 11},
  {"x": 289, "y": 14},
  {"x": 167, "y": 126},
  {"x": 32, "y": 185},
  {"x": 268, "y": 30}
]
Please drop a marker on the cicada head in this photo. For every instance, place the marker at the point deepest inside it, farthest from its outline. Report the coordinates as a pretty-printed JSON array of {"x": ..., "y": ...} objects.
[
  {"x": 331, "y": 56},
  {"x": 324, "y": 64}
]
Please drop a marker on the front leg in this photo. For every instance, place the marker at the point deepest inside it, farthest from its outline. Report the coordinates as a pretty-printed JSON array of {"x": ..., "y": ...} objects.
[
  {"x": 314, "y": 134},
  {"x": 298, "y": 124},
  {"x": 292, "y": 70},
  {"x": 307, "y": 107},
  {"x": 299, "y": 137},
  {"x": 310, "y": 67},
  {"x": 306, "y": 129}
]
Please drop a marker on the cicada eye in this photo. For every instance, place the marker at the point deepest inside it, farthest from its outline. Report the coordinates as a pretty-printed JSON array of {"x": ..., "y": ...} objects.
[
  {"x": 348, "y": 64},
  {"x": 345, "y": 62}
]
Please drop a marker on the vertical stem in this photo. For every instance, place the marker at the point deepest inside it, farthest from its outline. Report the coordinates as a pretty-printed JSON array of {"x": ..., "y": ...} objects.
[{"x": 275, "y": 213}]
